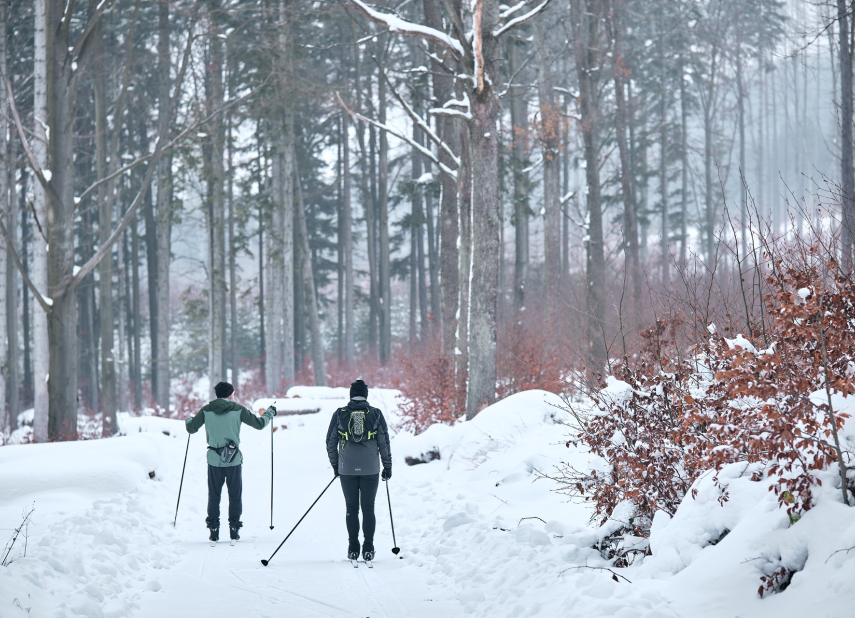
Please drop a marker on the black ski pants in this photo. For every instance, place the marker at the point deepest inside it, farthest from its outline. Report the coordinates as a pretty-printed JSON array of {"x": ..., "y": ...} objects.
[
  {"x": 360, "y": 491},
  {"x": 233, "y": 480}
]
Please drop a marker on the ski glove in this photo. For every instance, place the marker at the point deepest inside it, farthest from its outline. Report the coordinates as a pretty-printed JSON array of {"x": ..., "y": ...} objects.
[
  {"x": 335, "y": 473},
  {"x": 387, "y": 474},
  {"x": 272, "y": 409}
]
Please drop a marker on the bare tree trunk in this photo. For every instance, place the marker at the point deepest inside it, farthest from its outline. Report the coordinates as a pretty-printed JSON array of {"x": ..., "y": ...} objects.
[
  {"x": 464, "y": 190},
  {"x": 27, "y": 398},
  {"x": 585, "y": 22},
  {"x": 105, "y": 227},
  {"x": 308, "y": 281},
  {"x": 217, "y": 266},
  {"x": 346, "y": 224},
  {"x": 163, "y": 233},
  {"x": 684, "y": 165},
  {"x": 62, "y": 321},
  {"x": 630, "y": 227},
  {"x": 484, "y": 272},
  {"x": 383, "y": 221},
  {"x": 12, "y": 332},
  {"x": 449, "y": 226},
  {"x": 340, "y": 285},
  {"x": 39, "y": 275},
  {"x": 418, "y": 230},
  {"x": 136, "y": 321},
  {"x": 665, "y": 248},
  {"x": 121, "y": 375},
  {"x": 6, "y": 422},
  {"x": 519, "y": 139},
  {"x": 847, "y": 172},
  {"x": 233, "y": 326},
  {"x": 550, "y": 123}
]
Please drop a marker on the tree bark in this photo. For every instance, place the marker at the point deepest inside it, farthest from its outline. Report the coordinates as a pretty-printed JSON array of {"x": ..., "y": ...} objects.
[
  {"x": 27, "y": 395},
  {"x": 585, "y": 21},
  {"x": 105, "y": 227},
  {"x": 484, "y": 272},
  {"x": 665, "y": 250},
  {"x": 550, "y": 139},
  {"x": 385, "y": 280},
  {"x": 162, "y": 237},
  {"x": 847, "y": 173},
  {"x": 62, "y": 320},
  {"x": 449, "y": 225},
  {"x": 519, "y": 146},
  {"x": 217, "y": 266},
  {"x": 5, "y": 308},
  {"x": 347, "y": 236},
  {"x": 308, "y": 281},
  {"x": 630, "y": 227},
  {"x": 39, "y": 276},
  {"x": 136, "y": 319}
]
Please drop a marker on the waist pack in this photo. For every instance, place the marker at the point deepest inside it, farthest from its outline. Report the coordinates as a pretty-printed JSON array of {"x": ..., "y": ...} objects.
[{"x": 227, "y": 453}]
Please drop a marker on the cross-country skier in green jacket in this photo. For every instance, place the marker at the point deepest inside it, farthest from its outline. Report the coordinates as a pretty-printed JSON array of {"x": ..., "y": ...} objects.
[{"x": 222, "y": 419}]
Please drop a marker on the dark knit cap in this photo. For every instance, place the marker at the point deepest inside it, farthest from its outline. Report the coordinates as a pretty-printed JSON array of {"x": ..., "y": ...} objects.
[
  {"x": 224, "y": 389},
  {"x": 359, "y": 389}
]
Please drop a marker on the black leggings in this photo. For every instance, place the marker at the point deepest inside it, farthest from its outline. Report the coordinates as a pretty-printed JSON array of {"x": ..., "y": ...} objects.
[
  {"x": 232, "y": 477},
  {"x": 360, "y": 490}
]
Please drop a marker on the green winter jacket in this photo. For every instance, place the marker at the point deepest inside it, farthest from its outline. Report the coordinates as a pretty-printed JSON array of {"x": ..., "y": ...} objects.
[{"x": 222, "y": 419}]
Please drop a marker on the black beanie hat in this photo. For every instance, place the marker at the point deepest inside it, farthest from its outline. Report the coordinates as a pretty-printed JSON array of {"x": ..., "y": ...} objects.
[
  {"x": 359, "y": 389},
  {"x": 223, "y": 389}
]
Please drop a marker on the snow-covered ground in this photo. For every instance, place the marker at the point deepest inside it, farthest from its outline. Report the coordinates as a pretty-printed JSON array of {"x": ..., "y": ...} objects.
[{"x": 480, "y": 534}]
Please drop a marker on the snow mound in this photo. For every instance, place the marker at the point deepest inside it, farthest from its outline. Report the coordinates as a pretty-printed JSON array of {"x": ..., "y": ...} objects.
[{"x": 96, "y": 512}]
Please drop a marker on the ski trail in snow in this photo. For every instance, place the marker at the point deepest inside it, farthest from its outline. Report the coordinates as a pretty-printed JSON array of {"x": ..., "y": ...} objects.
[
  {"x": 299, "y": 596},
  {"x": 381, "y": 604},
  {"x": 308, "y": 576}
]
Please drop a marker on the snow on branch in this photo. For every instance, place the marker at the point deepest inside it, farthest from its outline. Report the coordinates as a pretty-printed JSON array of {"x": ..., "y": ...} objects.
[
  {"x": 516, "y": 21},
  {"x": 446, "y": 110},
  {"x": 420, "y": 123},
  {"x": 402, "y": 26},
  {"x": 400, "y": 135}
]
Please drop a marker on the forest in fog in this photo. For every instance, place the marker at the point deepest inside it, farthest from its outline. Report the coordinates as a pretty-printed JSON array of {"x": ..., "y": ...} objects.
[{"x": 461, "y": 199}]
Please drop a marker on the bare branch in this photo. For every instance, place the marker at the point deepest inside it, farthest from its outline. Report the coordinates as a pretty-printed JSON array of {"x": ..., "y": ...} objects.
[
  {"x": 516, "y": 21},
  {"x": 425, "y": 151},
  {"x": 416, "y": 118},
  {"x": 174, "y": 142},
  {"x": 105, "y": 249},
  {"x": 401, "y": 26},
  {"x": 83, "y": 42},
  {"x": 10, "y": 245}
]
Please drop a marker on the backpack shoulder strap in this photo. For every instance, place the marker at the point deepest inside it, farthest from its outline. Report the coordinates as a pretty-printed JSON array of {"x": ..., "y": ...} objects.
[{"x": 341, "y": 423}]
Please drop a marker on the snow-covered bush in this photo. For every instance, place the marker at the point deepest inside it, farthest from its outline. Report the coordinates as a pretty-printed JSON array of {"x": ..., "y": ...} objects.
[{"x": 770, "y": 401}]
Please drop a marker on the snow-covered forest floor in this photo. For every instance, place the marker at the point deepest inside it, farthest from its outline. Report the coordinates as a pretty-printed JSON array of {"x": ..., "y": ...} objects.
[{"x": 481, "y": 532}]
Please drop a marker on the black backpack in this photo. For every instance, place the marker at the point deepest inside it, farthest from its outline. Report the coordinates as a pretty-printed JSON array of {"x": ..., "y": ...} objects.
[{"x": 357, "y": 425}]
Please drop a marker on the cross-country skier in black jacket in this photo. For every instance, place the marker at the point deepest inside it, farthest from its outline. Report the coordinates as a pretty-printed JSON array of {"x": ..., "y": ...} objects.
[{"x": 357, "y": 434}]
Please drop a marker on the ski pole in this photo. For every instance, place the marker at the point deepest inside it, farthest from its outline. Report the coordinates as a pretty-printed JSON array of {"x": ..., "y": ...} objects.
[
  {"x": 395, "y": 550},
  {"x": 271, "y": 470},
  {"x": 266, "y": 562},
  {"x": 182, "y": 481}
]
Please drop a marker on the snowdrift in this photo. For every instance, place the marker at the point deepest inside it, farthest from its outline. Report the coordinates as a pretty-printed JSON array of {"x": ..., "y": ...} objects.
[{"x": 478, "y": 524}]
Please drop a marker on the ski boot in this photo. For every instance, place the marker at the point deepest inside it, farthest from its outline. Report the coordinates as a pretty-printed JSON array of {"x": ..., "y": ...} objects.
[
  {"x": 215, "y": 536},
  {"x": 353, "y": 555},
  {"x": 368, "y": 555},
  {"x": 233, "y": 533}
]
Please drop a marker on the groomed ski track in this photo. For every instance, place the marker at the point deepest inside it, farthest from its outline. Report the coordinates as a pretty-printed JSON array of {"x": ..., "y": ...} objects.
[{"x": 309, "y": 576}]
